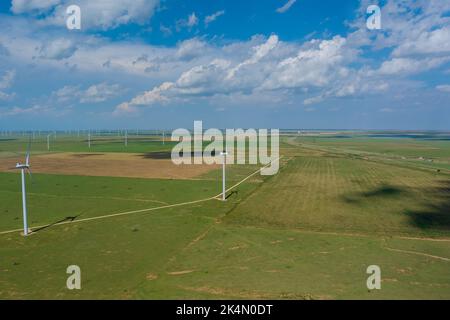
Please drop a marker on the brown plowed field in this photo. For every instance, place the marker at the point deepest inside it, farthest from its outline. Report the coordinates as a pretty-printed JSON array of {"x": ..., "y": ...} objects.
[{"x": 109, "y": 164}]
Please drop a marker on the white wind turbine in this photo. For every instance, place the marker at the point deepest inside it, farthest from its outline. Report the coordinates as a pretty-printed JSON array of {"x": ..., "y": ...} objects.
[
  {"x": 48, "y": 142},
  {"x": 23, "y": 167}
]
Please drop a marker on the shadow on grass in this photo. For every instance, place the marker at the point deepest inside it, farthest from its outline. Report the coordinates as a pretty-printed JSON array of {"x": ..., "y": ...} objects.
[
  {"x": 56, "y": 222},
  {"x": 234, "y": 192},
  {"x": 168, "y": 155},
  {"x": 384, "y": 191},
  {"x": 436, "y": 209},
  {"x": 435, "y": 215}
]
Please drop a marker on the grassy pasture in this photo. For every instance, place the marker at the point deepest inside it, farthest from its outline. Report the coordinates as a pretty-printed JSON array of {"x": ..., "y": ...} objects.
[
  {"x": 350, "y": 195},
  {"x": 136, "y": 144},
  {"x": 307, "y": 233},
  {"x": 116, "y": 253},
  {"x": 416, "y": 152},
  {"x": 236, "y": 262},
  {"x": 99, "y": 143}
]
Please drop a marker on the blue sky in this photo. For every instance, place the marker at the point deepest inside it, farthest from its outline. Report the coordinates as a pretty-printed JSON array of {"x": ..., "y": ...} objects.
[{"x": 272, "y": 64}]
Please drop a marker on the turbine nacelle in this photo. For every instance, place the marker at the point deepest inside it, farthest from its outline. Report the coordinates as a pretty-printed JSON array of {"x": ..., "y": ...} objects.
[{"x": 22, "y": 166}]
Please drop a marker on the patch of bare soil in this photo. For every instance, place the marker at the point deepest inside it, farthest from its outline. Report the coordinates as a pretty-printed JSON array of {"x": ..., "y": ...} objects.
[
  {"x": 178, "y": 273},
  {"x": 253, "y": 294},
  {"x": 109, "y": 164}
]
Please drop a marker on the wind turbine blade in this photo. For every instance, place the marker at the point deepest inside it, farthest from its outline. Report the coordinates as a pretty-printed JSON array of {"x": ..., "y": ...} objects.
[{"x": 27, "y": 159}]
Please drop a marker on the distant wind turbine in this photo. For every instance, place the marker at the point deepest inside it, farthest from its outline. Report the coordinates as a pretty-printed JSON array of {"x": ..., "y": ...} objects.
[{"x": 48, "y": 142}]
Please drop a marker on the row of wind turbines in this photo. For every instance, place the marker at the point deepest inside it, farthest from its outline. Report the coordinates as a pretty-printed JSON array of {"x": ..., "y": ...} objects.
[{"x": 89, "y": 138}]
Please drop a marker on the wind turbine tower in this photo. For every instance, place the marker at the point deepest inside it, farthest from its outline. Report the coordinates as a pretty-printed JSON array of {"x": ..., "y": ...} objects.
[
  {"x": 22, "y": 168},
  {"x": 48, "y": 142},
  {"x": 224, "y": 155}
]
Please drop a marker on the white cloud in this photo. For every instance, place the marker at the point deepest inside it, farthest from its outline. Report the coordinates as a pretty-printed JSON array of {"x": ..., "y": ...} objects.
[
  {"x": 315, "y": 66},
  {"x": 443, "y": 87},
  {"x": 256, "y": 71},
  {"x": 33, "y": 110},
  {"x": 408, "y": 27},
  {"x": 436, "y": 41},
  {"x": 192, "y": 20},
  {"x": 313, "y": 100},
  {"x": 213, "y": 17},
  {"x": 98, "y": 14},
  {"x": 57, "y": 49},
  {"x": 100, "y": 92},
  {"x": 7, "y": 78},
  {"x": 6, "y": 81},
  {"x": 189, "y": 23},
  {"x": 407, "y": 66},
  {"x": 67, "y": 93},
  {"x": 190, "y": 49},
  {"x": 37, "y": 6},
  {"x": 218, "y": 76},
  {"x": 259, "y": 52},
  {"x": 286, "y": 7},
  {"x": 95, "y": 93}
]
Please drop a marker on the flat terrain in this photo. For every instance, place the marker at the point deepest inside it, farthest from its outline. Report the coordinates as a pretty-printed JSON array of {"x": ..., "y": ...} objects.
[
  {"x": 337, "y": 206},
  {"x": 132, "y": 165}
]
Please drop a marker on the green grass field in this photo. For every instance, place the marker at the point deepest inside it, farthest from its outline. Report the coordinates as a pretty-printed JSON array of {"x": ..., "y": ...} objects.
[{"x": 335, "y": 207}]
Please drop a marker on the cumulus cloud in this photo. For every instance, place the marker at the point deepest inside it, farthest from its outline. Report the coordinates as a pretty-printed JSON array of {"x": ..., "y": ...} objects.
[
  {"x": 215, "y": 77},
  {"x": 100, "y": 92},
  {"x": 33, "y": 6},
  {"x": 408, "y": 27},
  {"x": 33, "y": 110},
  {"x": 259, "y": 52},
  {"x": 57, "y": 49},
  {"x": 189, "y": 49},
  {"x": 94, "y": 94},
  {"x": 315, "y": 66},
  {"x": 407, "y": 66},
  {"x": 98, "y": 14},
  {"x": 260, "y": 70},
  {"x": 436, "y": 41}
]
